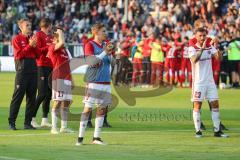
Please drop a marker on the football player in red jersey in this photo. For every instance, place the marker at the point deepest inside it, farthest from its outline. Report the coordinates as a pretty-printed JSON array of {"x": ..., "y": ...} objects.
[
  {"x": 216, "y": 64},
  {"x": 186, "y": 64},
  {"x": 179, "y": 47},
  {"x": 44, "y": 65},
  {"x": 146, "y": 59},
  {"x": 166, "y": 47},
  {"x": 171, "y": 63},
  {"x": 61, "y": 82},
  {"x": 25, "y": 54}
]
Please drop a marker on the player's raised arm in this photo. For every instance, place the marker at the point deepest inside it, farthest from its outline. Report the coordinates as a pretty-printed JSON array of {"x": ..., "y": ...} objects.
[
  {"x": 201, "y": 44},
  {"x": 61, "y": 40},
  {"x": 217, "y": 54},
  {"x": 196, "y": 57}
]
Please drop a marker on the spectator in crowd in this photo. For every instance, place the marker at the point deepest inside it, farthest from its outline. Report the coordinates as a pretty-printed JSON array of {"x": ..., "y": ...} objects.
[
  {"x": 234, "y": 58},
  {"x": 44, "y": 64}
]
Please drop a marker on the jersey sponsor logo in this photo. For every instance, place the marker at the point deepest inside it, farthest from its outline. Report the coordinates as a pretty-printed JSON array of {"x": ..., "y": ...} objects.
[
  {"x": 197, "y": 94},
  {"x": 204, "y": 59},
  {"x": 60, "y": 94},
  {"x": 23, "y": 43}
]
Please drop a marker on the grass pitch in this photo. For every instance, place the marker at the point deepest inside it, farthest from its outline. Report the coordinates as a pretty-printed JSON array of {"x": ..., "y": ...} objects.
[{"x": 157, "y": 127}]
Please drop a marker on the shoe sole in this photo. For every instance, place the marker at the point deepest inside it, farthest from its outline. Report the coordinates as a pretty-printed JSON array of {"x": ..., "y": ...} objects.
[
  {"x": 66, "y": 132},
  {"x": 223, "y": 136},
  {"x": 103, "y": 144},
  {"x": 46, "y": 126},
  {"x": 37, "y": 126},
  {"x": 78, "y": 144}
]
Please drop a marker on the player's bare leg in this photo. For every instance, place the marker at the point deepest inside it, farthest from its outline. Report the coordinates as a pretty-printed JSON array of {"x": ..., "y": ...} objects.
[
  {"x": 55, "y": 114},
  {"x": 83, "y": 124},
  {"x": 197, "y": 118},
  {"x": 216, "y": 119},
  {"x": 101, "y": 111}
]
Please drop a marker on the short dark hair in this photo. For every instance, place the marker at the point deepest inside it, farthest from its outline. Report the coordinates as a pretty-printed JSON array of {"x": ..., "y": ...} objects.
[
  {"x": 201, "y": 29},
  {"x": 45, "y": 22},
  {"x": 96, "y": 27},
  {"x": 22, "y": 20}
]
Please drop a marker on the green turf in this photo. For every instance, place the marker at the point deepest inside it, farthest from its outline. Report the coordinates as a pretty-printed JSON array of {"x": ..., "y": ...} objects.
[{"x": 158, "y": 127}]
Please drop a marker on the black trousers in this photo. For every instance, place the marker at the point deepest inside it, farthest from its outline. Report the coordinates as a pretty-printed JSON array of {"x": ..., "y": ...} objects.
[
  {"x": 24, "y": 83},
  {"x": 44, "y": 91},
  {"x": 118, "y": 68},
  {"x": 146, "y": 70},
  {"x": 225, "y": 71},
  {"x": 124, "y": 66}
]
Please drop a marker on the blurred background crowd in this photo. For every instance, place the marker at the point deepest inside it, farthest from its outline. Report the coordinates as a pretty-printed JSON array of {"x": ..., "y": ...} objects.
[{"x": 134, "y": 25}]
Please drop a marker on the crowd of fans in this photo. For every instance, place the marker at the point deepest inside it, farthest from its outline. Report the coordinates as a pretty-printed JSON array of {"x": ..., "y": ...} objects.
[{"x": 169, "y": 23}]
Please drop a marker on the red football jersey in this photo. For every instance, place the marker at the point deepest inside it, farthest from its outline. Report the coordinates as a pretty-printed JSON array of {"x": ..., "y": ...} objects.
[
  {"x": 146, "y": 47},
  {"x": 43, "y": 42},
  {"x": 22, "y": 49},
  {"x": 60, "y": 61},
  {"x": 89, "y": 49},
  {"x": 165, "y": 48},
  {"x": 125, "y": 47}
]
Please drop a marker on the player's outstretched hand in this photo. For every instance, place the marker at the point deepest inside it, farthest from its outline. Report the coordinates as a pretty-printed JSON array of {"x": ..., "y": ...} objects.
[
  {"x": 33, "y": 41},
  {"x": 204, "y": 44},
  {"x": 214, "y": 42},
  {"x": 59, "y": 31},
  {"x": 109, "y": 48}
]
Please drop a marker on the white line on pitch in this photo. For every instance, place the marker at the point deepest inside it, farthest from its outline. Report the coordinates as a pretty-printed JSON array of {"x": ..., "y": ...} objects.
[
  {"x": 10, "y": 158},
  {"x": 23, "y": 135},
  {"x": 105, "y": 132}
]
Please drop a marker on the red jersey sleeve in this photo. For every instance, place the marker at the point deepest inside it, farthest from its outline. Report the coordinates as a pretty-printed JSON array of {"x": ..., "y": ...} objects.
[
  {"x": 88, "y": 49},
  {"x": 40, "y": 44},
  {"x": 192, "y": 42},
  {"x": 19, "y": 51},
  {"x": 208, "y": 42},
  {"x": 50, "y": 50}
]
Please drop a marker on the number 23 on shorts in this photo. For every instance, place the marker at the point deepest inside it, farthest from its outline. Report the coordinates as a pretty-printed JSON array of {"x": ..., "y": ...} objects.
[
  {"x": 197, "y": 94},
  {"x": 60, "y": 93}
]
